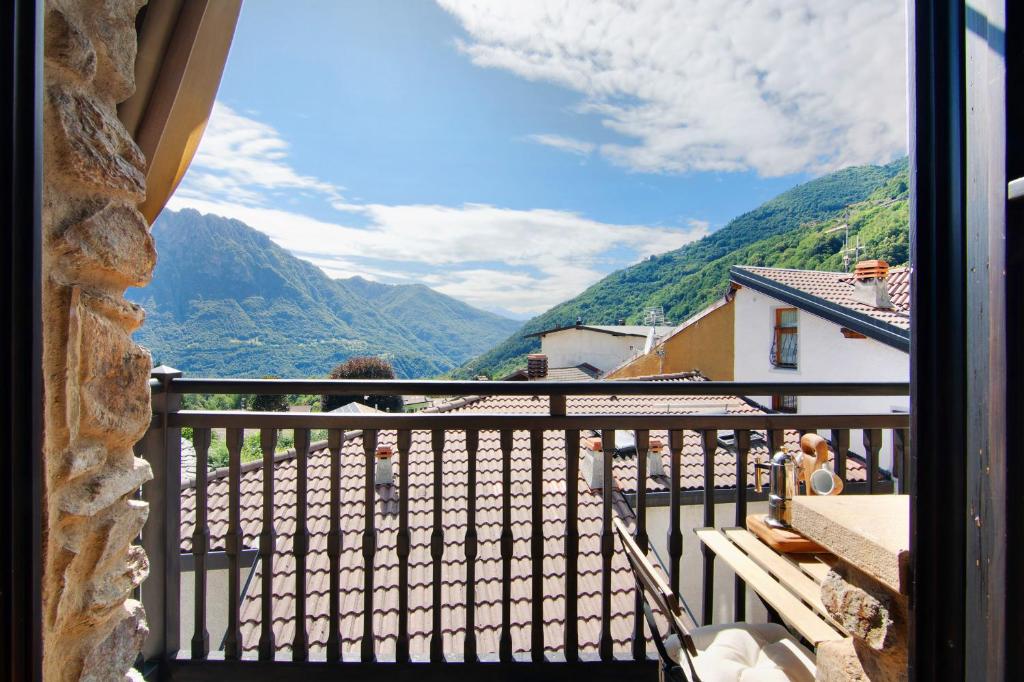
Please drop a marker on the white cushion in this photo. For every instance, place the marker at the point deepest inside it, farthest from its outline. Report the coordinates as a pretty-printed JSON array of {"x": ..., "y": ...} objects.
[{"x": 745, "y": 652}]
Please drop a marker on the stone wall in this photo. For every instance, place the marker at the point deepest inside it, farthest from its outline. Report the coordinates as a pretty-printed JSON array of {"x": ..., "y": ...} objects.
[{"x": 95, "y": 245}]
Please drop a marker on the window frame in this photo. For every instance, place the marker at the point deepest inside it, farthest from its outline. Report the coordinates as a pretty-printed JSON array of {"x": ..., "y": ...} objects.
[
  {"x": 779, "y": 401},
  {"x": 778, "y": 331}
]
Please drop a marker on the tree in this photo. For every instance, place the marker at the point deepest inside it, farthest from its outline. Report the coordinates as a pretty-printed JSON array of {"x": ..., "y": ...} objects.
[
  {"x": 266, "y": 402},
  {"x": 363, "y": 367}
]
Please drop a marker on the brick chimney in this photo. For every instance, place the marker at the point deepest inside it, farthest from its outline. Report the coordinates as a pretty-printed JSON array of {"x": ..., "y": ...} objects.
[
  {"x": 536, "y": 366},
  {"x": 869, "y": 283},
  {"x": 383, "y": 473}
]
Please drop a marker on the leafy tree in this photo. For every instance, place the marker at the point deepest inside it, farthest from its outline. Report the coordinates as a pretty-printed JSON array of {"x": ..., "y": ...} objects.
[
  {"x": 266, "y": 402},
  {"x": 363, "y": 367},
  {"x": 218, "y": 453}
]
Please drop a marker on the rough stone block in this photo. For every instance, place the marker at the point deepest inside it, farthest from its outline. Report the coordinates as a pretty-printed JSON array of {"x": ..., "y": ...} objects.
[
  {"x": 67, "y": 47},
  {"x": 111, "y": 377},
  {"x": 92, "y": 147},
  {"x": 111, "y": 248},
  {"x": 111, "y": 23},
  {"x": 88, "y": 495},
  {"x": 865, "y": 616},
  {"x": 115, "y": 655}
]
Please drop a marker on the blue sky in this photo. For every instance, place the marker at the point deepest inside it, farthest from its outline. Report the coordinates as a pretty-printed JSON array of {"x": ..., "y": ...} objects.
[{"x": 511, "y": 154}]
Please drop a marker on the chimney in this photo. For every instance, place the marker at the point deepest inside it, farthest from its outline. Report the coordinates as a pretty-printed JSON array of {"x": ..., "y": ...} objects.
[
  {"x": 593, "y": 464},
  {"x": 383, "y": 473},
  {"x": 536, "y": 366},
  {"x": 869, "y": 283},
  {"x": 655, "y": 467}
]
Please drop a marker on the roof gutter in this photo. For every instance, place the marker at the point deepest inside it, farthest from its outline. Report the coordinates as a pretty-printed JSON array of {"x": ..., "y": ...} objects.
[{"x": 870, "y": 327}]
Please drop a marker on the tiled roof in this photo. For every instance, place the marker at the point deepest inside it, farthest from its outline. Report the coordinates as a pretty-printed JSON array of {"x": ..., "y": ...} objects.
[
  {"x": 634, "y": 329},
  {"x": 488, "y": 505},
  {"x": 837, "y": 288},
  {"x": 613, "y": 329},
  {"x": 584, "y": 372}
]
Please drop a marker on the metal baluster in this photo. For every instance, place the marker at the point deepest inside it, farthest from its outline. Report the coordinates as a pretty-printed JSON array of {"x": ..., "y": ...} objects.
[
  {"x": 607, "y": 543},
  {"x": 201, "y": 545},
  {"x": 537, "y": 544},
  {"x": 572, "y": 542},
  {"x": 505, "y": 643},
  {"x": 739, "y": 603},
  {"x": 643, "y": 441},
  {"x": 268, "y": 538},
  {"x": 402, "y": 645},
  {"x": 233, "y": 545},
  {"x": 841, "y": 447},
  {"x": 472, "y": 445},
  {"x": 710, "y": 447},
  {"x": 334, "y": 438},
  {"x": 675, "y": 534},
  {"x": 300, "y": 544},
  {"x": 369, "y": 544},
  {"x": 872, "y": 446},
  {"x": 437, "y": 546}
]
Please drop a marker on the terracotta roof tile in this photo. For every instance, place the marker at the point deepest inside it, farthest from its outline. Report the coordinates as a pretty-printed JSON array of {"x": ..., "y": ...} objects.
[
  {"x": 488, "y": 523},
  {"x": 837, "y": 287}
]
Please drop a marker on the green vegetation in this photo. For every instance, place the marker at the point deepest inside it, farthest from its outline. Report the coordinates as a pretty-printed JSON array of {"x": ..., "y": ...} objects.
[
  {"x": 266, "y": 402},
  {"x": 797, "y": 229},
  {"x": 363, "y": 367},
  {"x": 227, "y": 301}
]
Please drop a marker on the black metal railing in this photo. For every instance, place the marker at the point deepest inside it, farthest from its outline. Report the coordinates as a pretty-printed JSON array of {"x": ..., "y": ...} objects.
[{"x": 160, "y": 593}]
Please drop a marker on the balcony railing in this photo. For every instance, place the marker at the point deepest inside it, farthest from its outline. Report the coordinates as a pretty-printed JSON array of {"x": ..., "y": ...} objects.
[{"x": 168, "y": 656}]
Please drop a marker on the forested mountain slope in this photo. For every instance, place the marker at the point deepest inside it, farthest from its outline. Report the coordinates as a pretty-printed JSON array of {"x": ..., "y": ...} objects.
[
  {"x": 226, "y": 301},
  {"x": 797, "y": 229}
]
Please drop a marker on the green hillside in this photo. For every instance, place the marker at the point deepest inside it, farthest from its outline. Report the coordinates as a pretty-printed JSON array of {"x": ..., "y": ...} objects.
[
  {"x": 791, "y": 230},
  {"x": 226, "y": 301}
]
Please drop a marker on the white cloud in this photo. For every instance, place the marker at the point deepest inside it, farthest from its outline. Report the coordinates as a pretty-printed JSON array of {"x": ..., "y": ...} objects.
[
  {"x": 245, "y": 160},
  {"x": 566, "y": 144},
  {"x": 522, "y": 261},
  {"x": 776, "y": 86}
]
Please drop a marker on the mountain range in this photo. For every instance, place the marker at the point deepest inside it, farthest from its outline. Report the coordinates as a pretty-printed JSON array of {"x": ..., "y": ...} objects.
[
  {"x": 225, "y": 300},
  {"x": 805, "y": 227}
]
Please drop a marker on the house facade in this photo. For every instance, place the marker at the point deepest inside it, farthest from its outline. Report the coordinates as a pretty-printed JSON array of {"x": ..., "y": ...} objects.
[
  {"x": 602, "y": 346},
  {"x": 802, "y": 325},
  {"x": 806, "y": 325},
  {"x": 783, "y": 325},
  {"x": 703, "y": 343}
]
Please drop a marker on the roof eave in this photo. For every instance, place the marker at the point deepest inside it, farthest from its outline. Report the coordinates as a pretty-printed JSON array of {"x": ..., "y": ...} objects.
[{"x": 582, "y": 326}]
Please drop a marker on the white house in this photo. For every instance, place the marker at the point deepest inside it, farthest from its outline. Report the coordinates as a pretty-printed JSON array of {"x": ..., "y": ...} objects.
[
  {"x": 602, "y": 346},
  {"x": 805, "y": 325}
]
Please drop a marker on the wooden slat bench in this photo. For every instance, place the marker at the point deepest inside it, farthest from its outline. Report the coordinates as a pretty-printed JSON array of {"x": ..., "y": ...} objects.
[{"x": 789, "y": 584}]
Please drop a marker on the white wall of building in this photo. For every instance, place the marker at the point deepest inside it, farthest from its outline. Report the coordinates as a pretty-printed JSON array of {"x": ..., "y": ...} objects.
[
  {"x": 571, "y": 347},
  {"x": 824, "y": 354}
]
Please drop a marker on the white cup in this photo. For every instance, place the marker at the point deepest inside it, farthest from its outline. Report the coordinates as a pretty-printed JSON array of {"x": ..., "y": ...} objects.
[{"x": 825, "y": 482}]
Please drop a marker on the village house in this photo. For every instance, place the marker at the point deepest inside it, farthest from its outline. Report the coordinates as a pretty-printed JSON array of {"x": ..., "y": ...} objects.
[
  {"x": 782, "y": 325},
  {"x": 599, "y": 346}
]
